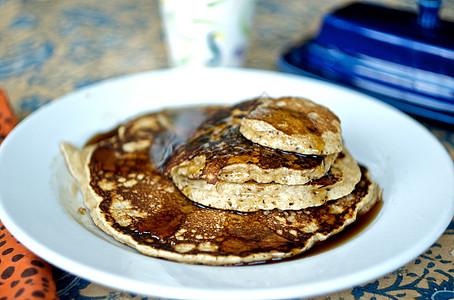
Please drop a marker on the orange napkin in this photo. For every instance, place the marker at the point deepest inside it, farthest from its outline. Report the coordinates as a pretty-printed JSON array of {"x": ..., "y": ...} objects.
[
  {"x": 23, "y": 275},
  {"x": 7, "y": 118}
]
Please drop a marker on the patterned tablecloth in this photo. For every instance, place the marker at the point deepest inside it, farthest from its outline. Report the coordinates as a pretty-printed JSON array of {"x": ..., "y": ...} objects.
[{"x": 50, "y": 48}]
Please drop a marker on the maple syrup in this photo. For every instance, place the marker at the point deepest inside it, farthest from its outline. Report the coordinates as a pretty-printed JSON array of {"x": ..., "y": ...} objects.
[{"x": 348, "y": 233}]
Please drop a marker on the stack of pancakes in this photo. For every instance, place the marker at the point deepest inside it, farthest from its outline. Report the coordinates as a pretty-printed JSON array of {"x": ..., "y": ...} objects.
[
  {"x": 262, "y": 180},
  {"x": 266, "y": 154}
]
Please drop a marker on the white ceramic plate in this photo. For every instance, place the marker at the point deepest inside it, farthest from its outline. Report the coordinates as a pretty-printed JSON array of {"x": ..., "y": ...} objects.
[{"x": 39, "y": 201}]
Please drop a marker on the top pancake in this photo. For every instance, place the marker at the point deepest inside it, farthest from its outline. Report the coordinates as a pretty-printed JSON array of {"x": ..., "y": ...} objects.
[
  {"x": 293, "y": 124},
  {"x": 218, "y": 151}
]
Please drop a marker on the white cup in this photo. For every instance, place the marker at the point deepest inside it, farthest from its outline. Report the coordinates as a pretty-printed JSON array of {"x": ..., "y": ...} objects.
[{"x": 211, "y": 33}]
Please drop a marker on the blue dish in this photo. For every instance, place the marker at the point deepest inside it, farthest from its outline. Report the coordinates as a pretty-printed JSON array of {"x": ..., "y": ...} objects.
[{"x": 403, "y": 58}]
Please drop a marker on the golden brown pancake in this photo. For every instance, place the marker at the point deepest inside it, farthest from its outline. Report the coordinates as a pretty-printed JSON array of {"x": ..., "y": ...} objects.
[
  {"x": 129, "y": 198},
  {"x": 249, "y": 196},
  {"x": 218, "y": 151},
  {"x": 293, "y": 124}
]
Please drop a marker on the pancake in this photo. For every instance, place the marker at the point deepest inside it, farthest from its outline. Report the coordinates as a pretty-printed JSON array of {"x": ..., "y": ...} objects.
[
  {"x": 131, "y": 200},
  {"x": 293, "y": 124},
  {"x": 218, "y": 151},
  {"x": 125, "y": 178},
  {"x": 339, "y": 181}
]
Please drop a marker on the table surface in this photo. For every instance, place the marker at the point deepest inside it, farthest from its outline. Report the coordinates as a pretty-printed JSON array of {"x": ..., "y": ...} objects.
[{"x": 50, "y": 48}]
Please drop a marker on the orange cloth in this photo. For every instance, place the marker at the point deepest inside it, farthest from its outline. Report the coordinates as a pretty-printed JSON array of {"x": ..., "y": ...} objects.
[
  {"x": 7, "y": 118},
  {"x": 23, "y": 275}
]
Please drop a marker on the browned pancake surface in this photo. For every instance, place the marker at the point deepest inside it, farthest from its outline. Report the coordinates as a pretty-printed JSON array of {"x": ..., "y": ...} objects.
[
  {"x": 221, "y": 147},
  {"x": 293, "y": 124}
]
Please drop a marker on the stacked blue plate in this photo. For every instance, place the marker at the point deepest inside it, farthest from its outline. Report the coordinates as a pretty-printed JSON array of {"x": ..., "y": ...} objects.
[{"x": 401, "y": 57}]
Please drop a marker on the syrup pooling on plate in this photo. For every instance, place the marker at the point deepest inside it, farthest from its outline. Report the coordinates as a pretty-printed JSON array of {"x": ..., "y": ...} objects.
[{"x": 140, "y": 206}]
